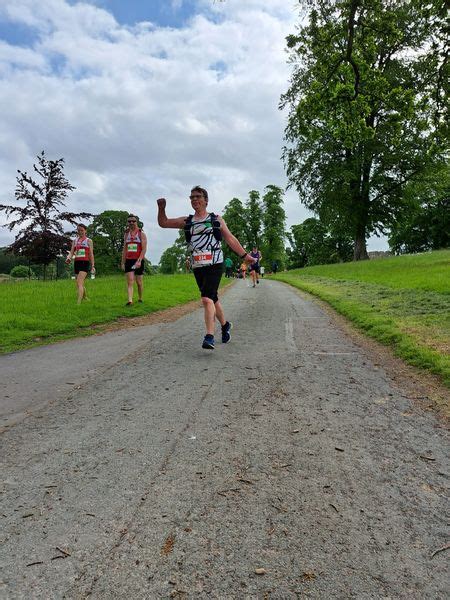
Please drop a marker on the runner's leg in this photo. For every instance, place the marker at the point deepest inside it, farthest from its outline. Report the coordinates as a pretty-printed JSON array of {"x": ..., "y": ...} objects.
[
  {"x": 210, "y": 313},
  {"x": 130, "y": 284},
  {"x": 220, "y": 315},
  {"x": 140, "y": 285},
  {"x": 80, "y": 285}
]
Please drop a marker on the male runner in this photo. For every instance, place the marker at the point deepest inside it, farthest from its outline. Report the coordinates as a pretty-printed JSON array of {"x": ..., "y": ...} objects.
[
  {"x": 254, "y": 268},
  {"x": 133, "y": 254},
  {"x": 204, "y": 232}
]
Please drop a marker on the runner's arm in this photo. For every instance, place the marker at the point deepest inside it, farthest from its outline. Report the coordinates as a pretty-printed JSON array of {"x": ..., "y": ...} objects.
[
  {"x": 164, "y": 221},
  {"x": 144, "y": 247},
  {"x": 234, "y": 243},
  {"x": 124, "y": 250},
  {"x": 72, "y": 250},
  {"x": 91, "y": 254}
]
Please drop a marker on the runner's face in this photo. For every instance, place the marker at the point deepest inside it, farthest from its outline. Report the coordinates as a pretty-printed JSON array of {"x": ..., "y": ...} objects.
[
  {"x": 81, "y": 231},
  {"x": 132, "y": 222},
  {"x": 198, "y": 201}
]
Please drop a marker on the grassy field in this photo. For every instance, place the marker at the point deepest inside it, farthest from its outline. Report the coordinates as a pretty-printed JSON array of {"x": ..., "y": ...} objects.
[
  {"x": 37, "y": 312},
  {"x": 402, "y": 301}
]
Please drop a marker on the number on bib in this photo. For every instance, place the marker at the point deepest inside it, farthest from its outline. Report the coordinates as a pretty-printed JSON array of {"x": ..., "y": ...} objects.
[{"x": 201, "y": 259}]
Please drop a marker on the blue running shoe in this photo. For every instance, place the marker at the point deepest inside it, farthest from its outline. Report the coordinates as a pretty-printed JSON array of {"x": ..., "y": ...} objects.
[
  {"x": 208, "y": 342},
  {"x": 226, "y": 335}
]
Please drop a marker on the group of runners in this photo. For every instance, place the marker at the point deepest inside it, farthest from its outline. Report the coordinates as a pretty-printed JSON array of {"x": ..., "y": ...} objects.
[
  {"x": 133, "y": 254},
  {"x": 256, "y": 269},
  {"x": 204, "y": 232}
]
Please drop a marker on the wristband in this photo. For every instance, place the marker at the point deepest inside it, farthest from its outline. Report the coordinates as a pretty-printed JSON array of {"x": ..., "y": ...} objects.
[{"x": 244, "y": 255}]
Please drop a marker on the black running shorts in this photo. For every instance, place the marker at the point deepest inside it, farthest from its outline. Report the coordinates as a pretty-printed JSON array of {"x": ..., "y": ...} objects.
[
  {"x": 208, "y": 280},
  {"x": 81, "y": 265},
  {"x": 129, "y": 262}
]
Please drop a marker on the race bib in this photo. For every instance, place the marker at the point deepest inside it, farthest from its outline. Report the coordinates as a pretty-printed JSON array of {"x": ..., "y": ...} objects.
[
  {"x": 201, "y": 259},
  {"x": 132, "y": 247},
  {"x": 81, "y": 253}
]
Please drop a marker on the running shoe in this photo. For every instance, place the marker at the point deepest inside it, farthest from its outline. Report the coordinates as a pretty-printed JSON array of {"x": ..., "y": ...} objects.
[
  {"x": 208, "y": 342},
  {"x": 226, "y": 335}
]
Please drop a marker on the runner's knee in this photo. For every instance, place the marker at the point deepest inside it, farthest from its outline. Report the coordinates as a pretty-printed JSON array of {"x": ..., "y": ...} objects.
[{"x": 208, "y": 300}]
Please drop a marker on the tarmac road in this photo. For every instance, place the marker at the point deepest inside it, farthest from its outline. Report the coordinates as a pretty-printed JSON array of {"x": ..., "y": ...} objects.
[{"x": 180, "y": 472}]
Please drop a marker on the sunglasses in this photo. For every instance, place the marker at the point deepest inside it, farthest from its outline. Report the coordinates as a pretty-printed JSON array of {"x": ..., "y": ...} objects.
[
  {"x": 193, "y": 197},
  {"x": 132, "y": 221}
]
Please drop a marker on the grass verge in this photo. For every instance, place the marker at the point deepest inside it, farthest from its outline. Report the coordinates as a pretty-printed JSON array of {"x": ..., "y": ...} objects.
[
  {"x": 403, "y": 302},
  {"x": 33, "y": 313}
]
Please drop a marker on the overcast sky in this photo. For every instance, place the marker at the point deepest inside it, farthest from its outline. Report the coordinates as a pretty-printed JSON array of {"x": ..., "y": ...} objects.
[{"x": 147, "y": 98}]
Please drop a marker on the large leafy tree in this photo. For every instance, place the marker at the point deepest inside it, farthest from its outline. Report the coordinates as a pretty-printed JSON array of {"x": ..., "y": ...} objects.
[
  {"x": 312, "y": 243},
  {"x": 426, "y": 226},
  {"x": 274, "y": 221},
  {"x": 41, "y": 237},
  {"x": 366, "y": 108},
  {"x": 254, "y": 218},
  {"x": 235, "y": 218},
  {"x": 107, "y": 233},
  {"x": 173, "y": 259}
]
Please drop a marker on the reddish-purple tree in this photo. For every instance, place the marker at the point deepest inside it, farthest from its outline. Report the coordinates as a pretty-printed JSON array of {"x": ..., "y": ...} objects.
[{"x": 42, "y": 238}]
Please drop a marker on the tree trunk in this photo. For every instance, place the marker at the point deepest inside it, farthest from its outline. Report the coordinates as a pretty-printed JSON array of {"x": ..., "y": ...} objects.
[
  {"x": 360, "y": 250},
  {"x": 361, "y": 203}
]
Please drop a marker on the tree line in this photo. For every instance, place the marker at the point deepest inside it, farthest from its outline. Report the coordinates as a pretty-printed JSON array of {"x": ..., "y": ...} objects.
[
  {"x": 366, "y": 148},
  {"x": 366, "y": 141}
]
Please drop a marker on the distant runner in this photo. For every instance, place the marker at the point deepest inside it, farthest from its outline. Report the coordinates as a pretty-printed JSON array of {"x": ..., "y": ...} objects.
[
  {"x": 228, "y": 267},
  {"x": 254, "y": 268},
  {"x": 83, "y": 251},
  {"x": 133, "y": 255},
  {"x": 204, "y": 232}
]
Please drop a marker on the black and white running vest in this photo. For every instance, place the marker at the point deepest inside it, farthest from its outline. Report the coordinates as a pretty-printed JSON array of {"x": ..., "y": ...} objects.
[{"x": 204, "y": 241}]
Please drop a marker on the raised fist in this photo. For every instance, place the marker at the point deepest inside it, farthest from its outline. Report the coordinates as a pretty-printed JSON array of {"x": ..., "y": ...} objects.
[{"x": 161, "y": 202}]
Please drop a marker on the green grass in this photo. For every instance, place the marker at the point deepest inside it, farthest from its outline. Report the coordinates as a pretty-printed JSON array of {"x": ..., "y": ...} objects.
[
  {"x": 403, "y": 302},
  {"x": 37, "y": 312}
]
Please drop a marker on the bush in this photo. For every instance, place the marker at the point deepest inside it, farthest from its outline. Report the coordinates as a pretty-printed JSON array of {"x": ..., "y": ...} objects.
[{"x": 21, "y": 271}]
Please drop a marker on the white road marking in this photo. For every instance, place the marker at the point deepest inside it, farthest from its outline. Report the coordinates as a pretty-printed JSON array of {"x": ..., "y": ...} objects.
[{"x": 290, "y": 341}]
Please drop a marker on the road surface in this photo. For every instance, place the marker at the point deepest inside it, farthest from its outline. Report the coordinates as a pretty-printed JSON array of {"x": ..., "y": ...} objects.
[{"x": 284, "y": 464}]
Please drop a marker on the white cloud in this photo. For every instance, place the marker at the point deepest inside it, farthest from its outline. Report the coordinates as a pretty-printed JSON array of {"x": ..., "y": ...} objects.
[{"x": 142, "y": 112}]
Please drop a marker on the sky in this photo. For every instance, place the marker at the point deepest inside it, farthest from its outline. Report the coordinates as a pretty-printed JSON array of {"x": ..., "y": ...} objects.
[{"x": 145, "y": 99}]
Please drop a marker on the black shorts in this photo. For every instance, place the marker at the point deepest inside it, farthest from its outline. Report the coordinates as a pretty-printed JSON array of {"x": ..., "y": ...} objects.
[
  {"x": 208, "y": 280},
  {"x": 254, "y": 268},
  {"x": 81, "y": 265},
  {"x": 129, "y": 262}
]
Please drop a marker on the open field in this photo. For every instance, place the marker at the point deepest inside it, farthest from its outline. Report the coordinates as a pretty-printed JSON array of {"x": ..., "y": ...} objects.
[
  {"x": 37, "y": 312},
  {"x": 403, "y": 301}
]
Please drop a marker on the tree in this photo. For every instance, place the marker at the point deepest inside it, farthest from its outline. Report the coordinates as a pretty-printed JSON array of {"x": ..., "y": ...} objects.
[
  {"x": 254, "y": 220},
  {"x": 107, "y": 232},
  {"x": 9, "y": 261},
  {"x": 235, "y": 217},
  {"x": 42, "y": 236},
  {"x": 313, "y": 244},
  {"x": 366, "y": 108},
  {"x": 426, "y": 226},
  {"x": 173, "y": 259},
  {"x": 274, "y": 221}
]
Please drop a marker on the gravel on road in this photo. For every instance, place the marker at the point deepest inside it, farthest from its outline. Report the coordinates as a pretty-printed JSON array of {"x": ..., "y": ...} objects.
[{"x": 284, "y": 464}]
